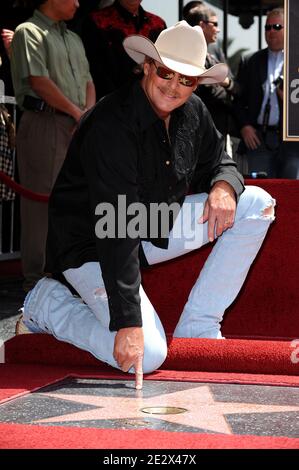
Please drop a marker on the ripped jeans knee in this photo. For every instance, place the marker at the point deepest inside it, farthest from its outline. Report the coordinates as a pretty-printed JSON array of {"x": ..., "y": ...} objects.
[{"x": 256, "y": 203}]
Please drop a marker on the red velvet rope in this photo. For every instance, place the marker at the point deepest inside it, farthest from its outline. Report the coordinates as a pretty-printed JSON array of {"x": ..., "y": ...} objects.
[{"x": 27, "y": 193}]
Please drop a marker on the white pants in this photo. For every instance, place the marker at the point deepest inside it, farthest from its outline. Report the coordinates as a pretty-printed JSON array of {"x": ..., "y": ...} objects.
[{"x": 51, "y": 308}]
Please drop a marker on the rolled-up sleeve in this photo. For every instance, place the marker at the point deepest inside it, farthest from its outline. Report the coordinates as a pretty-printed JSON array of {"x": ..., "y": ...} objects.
[{"x": 29, "y": 52}]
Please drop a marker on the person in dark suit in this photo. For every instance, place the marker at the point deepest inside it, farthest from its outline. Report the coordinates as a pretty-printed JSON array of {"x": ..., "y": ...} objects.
[
  {"x": 258, "y": 107},
  {"x": 218, "y": 97},
  {"x": 214, "y": 48}
]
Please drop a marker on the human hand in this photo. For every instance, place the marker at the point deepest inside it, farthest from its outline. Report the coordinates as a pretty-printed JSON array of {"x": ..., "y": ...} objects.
[
  {"x": 250, "y": 137},
  {"x": 128, "y": 351},
  {"x": 220, "y": 209},
  {"x": 226, "y": 82},
  {"x": 78, "y": 113},
  {"x": 7, "y": 36}
]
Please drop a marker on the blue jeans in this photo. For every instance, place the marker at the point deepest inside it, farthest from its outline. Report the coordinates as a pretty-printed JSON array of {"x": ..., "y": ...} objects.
[{"x": 51, "y": 308}]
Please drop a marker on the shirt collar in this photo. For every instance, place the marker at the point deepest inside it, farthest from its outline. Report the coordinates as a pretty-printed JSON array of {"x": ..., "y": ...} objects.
[
  {"x": 275, "y": 54},
  {"x": 49, "y": 22},
  {"x": 127, "y": 15}
]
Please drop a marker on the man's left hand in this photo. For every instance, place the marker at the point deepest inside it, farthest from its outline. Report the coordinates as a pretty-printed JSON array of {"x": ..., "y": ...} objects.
[{"x": 220, "y": 209}]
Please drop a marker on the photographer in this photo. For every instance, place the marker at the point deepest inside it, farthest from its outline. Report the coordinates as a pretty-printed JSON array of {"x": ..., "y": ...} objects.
[
  {"x": 218, "y": 97},
  {"x": 259, "y": 106}
]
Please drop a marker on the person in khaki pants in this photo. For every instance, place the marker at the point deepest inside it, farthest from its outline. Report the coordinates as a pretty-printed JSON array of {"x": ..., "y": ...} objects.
[{"x": 53, "y": 88}]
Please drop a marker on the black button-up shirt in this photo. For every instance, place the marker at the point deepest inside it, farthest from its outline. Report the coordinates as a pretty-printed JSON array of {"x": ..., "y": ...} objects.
[{"x": 122, "y": 148}]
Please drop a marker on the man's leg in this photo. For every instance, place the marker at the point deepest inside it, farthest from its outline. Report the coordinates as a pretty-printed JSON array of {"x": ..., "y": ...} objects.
[
  {"x": 51, "y": 308},
  {"x": 42, "y": 142},
  {"x": 227, "y": 265}
]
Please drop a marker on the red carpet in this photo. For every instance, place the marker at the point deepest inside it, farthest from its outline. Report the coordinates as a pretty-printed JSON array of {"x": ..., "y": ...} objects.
[
  {"x": 17, "y": 436},
  {"x": 259, "y": 327},
  {"x": 230, "y": 355}
]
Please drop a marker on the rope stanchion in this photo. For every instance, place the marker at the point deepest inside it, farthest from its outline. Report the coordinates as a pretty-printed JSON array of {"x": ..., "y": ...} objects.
[{"x": 27, "y": 193}]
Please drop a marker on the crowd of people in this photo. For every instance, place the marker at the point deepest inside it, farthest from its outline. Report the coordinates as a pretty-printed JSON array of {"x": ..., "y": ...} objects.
[{"x": 113, "y": 109}]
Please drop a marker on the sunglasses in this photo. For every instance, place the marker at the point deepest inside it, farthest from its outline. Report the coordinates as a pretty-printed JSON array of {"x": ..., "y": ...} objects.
[
  {"x": 276, "y": 27},
  {"x": 167, "y": 74},
  {"x": 214, "y": 23}
]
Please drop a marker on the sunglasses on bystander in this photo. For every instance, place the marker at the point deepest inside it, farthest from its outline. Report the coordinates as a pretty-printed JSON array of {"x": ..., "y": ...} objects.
[
  {"x": 276, "y": 27},
  {"x": 214, "y": 23}
]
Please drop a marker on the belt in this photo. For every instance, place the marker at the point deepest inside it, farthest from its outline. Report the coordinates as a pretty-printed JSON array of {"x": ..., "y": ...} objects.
[{"x": 38, "y": 105}]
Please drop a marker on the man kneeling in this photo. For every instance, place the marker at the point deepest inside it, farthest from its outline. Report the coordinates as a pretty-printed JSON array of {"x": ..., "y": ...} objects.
[{"x": 150, "y": 143}]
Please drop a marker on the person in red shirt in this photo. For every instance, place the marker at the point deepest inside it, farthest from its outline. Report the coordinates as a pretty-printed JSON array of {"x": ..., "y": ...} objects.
[{"x": 103, "y": 33}]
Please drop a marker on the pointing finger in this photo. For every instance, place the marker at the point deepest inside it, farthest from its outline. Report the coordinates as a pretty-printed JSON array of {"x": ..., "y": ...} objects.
[{"x": 138, "y": 373}]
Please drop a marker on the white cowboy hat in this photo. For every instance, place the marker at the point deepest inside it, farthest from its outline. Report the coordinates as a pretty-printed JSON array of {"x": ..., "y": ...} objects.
[{"x": 181, "y": 48}]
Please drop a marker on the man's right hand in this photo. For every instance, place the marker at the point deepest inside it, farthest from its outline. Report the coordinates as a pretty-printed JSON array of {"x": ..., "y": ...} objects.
[
  {"x": 78, "y": 113},
  {"x": 7, "y": 36},
  {"x": 250, "y": 137},
  {"x": 128, "y": 351}
]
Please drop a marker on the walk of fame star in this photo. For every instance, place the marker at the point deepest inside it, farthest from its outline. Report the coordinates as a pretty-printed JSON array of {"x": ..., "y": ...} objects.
[{"x": 210, "y": 408}]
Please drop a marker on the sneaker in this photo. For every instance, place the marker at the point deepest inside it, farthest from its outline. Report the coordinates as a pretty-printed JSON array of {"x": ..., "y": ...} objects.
[{"x": 21, "y": 328}]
